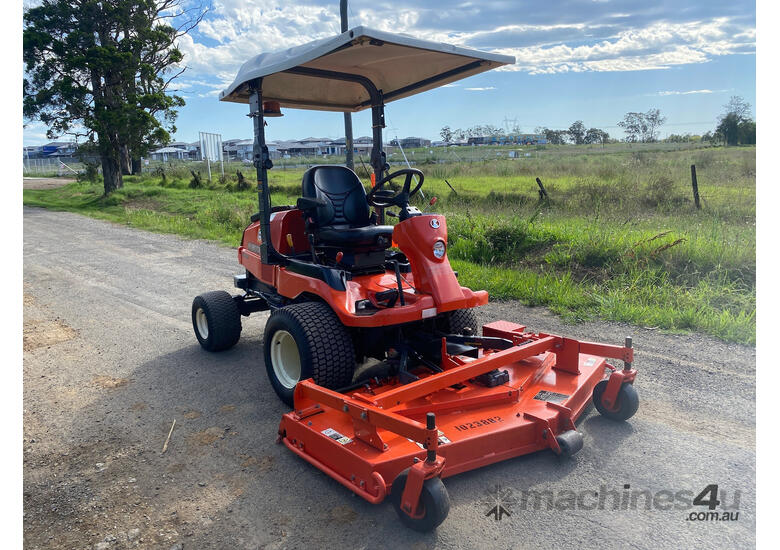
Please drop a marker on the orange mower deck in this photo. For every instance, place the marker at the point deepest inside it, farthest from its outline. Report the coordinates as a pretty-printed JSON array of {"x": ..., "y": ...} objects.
[{"x": 367, "y": 437}]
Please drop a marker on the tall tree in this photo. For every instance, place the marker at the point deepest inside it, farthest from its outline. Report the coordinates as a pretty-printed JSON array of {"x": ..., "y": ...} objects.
[
  {"x": 728, "y": 129},
  {"x": 653, "y": 122},
  {"x": 446, "y": 135},
  {"x": 735, "y": 125},
  {"x": 633, "y": 125},
  {"x": 595, "y": 135},
  {"x": 642, "y": 126},
  {"x": 554, "y": 137},
  {"x": 577, "y": 132},
  {"x": 100, "y": 69},
  {"x": 738, "y": 106}
]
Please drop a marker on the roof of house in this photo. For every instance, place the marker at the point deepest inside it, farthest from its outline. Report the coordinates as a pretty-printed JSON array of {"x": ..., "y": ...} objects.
[{"x": 170, "y": 150}]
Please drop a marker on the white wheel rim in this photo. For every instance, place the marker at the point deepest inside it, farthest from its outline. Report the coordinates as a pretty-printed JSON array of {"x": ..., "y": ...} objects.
[
  {"x": 285, "y": 359},
  {"x": 202, "y": 323}
]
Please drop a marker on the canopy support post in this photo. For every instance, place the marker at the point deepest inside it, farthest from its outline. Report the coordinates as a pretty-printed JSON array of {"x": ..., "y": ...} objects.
[
  {"x": 378, "y": 156},
  {"x": 262, "y": 162}
]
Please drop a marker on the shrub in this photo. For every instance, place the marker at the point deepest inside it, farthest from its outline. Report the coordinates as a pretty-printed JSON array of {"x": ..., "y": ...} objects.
[
  {"x": 661, "y": 191},
  {"x": 242, "y": 184},
  {"x": 160, "y": 172},
  {"x": 196, "y": 182},
  {"x": 90, "y": 173}
]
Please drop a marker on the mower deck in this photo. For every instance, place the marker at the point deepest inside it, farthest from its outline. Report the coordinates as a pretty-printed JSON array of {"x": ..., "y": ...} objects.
[{"x": 365, "y": 438}]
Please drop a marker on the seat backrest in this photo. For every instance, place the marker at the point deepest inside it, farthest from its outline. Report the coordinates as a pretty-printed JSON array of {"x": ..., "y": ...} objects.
[{"x": 343, "y": 193}]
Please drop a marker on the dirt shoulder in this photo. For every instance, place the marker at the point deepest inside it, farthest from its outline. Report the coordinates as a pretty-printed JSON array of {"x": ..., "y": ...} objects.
[{"x": 45, "y": 183}]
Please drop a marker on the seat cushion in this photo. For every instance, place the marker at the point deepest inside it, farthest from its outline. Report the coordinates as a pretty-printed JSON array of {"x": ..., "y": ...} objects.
[{"x": 356, "y": 236}]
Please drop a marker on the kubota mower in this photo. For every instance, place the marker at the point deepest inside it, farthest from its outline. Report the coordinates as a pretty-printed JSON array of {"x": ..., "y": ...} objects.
[{"x": 371, "y": 339}]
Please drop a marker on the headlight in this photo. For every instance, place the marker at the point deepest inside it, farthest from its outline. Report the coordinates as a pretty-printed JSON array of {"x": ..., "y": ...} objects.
[{"x": 438, "y": 249}]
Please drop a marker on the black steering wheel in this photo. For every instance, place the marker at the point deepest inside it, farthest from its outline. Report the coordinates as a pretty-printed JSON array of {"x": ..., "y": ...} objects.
[{"x": 383, "y": 198}]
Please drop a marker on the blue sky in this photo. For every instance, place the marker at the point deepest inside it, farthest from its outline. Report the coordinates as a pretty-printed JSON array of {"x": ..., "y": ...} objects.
[{"x": 590, "y": 60}]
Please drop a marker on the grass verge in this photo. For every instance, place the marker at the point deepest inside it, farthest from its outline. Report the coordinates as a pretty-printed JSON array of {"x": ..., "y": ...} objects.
[{"x": 620, "y": 239}]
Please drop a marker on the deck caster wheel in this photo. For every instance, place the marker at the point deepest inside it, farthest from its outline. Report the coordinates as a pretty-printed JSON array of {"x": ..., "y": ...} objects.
[
  {"x": 216, "y": 320},
  {"x": 434, "y": 503},
  {"x": 627, "y": 402},
  {"x": 570, "y": 442}
]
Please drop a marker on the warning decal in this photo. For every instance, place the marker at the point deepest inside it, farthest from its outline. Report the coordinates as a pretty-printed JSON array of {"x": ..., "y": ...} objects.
[
  {"x": 333, "y": 434},
  {"x": 550, "y": 396}
]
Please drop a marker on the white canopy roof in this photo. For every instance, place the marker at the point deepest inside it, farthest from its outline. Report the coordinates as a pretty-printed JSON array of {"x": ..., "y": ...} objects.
[{"x": 397, "y": 64}]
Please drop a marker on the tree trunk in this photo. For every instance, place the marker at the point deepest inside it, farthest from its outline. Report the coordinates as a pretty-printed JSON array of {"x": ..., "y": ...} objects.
[
  {"x": 124, "y": 160},
  {"x": 137, "y": 166},
  {"x": 110, "y": 159},
  {"x": 112, "y": 174}
]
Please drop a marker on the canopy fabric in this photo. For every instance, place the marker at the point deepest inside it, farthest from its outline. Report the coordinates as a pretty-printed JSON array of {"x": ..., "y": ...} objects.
[{"x": 397, "y": 64}]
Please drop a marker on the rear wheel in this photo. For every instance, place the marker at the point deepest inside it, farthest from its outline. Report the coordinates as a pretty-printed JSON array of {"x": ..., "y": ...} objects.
[
  {"x": 456, "y": 321},
  {"x": 434, "y": 503},
  {"x": 216, "y": 320},
  {"x": 307, "y": 341}
]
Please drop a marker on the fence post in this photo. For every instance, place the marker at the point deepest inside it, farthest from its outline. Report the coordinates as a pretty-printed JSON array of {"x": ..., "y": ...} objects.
[
  {"x": 542, "y": 191},
  {"x": 695, "y": 185}
]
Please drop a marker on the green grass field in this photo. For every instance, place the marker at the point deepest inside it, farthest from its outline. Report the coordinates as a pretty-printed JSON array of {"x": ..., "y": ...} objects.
[{"x": 619, "y": 239}]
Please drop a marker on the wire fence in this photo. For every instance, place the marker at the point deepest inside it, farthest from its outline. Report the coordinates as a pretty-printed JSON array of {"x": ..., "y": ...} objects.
[{"x": 52, "y": 167}]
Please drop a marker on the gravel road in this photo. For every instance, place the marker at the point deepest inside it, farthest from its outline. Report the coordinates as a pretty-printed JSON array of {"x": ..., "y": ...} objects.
[{"x": 110, "y": 361}]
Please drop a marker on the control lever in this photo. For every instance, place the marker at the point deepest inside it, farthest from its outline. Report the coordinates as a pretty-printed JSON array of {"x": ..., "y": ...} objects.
[{"x": 398, "y": 279}]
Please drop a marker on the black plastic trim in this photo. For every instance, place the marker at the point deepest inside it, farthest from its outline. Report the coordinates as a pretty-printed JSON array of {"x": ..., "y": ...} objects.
[{"x": 334, "y": 278}]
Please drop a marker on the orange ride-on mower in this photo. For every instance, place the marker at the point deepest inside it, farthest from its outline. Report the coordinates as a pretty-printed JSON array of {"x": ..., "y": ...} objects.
[{"x": 371, "y": 340}]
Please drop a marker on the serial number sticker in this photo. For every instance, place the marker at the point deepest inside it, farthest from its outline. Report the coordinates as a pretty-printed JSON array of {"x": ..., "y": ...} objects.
[
  {"x": 551, "y": 396},
  {"x": 336, "y": 436},
  {"x": 478, "y": 423}
]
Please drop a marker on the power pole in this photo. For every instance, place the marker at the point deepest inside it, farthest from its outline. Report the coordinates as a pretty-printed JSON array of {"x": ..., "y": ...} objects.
[{"x": 348, "y": 145}]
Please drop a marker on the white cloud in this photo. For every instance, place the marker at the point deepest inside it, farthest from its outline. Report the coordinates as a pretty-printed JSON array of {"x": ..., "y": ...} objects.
[
  {"x": 246, "y": 28},
  {"x": 658, "y": 46},
  {"x": 483, "y": 89},
  {"x": 237, "y": 30},
  {"x": 689, "y": 92}
]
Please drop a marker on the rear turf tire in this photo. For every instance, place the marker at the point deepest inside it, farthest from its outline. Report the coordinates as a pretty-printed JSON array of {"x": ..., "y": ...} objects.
[
  {"x": 307, "y": 341},
  {"x": 216, "y": 320},
  {"x": 434, "y": 500},
  {"x": 455, "y": 321}
]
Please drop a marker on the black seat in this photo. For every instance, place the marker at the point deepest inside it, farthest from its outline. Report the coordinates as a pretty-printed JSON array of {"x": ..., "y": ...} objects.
[{"x": 345, "y": 218}]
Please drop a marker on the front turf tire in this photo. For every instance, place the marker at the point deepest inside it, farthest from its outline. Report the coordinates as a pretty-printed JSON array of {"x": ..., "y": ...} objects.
[
  {"x": 454, "y": 322},
  {"x": 216, "y": 320},
  {"x": 307, "y": 341}
]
